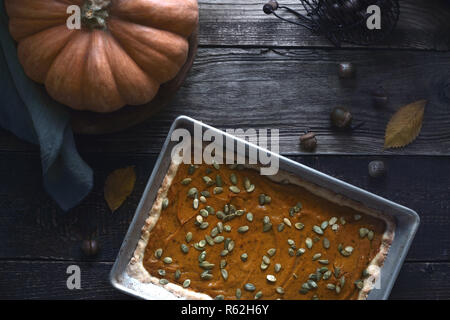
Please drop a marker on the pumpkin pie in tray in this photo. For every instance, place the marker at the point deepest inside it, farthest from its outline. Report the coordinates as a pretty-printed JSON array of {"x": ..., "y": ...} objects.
[{"x": 226, "y": 232}]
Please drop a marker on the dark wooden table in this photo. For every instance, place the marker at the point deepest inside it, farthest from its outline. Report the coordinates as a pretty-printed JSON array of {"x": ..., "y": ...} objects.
[{"x": 254, "y": 71}]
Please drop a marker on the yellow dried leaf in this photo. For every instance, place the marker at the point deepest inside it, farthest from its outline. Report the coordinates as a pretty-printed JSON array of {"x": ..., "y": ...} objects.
[
  {"x": 405, "y": 125},
  {"x": 118, "y": 186}
]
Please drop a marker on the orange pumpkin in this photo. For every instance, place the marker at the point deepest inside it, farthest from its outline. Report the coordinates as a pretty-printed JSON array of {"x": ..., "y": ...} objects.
[{"x": 123, "y": 52}]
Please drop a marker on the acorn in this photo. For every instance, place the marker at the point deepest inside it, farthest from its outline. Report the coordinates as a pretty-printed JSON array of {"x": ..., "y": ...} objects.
[
  {"x": 308, "y": 141},
  {"x": 90, "y": 247},
  {"x": 270, "y": 7},
  {"x": 341, "y": 118},
  {"x": 377, "y": 169},
  {"x": 346, "y": 70},
  {"x": 379, "y": 97}
]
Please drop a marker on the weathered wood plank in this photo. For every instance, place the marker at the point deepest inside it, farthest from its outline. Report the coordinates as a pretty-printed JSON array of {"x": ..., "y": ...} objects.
[
  {"x": 422, "y": 25},
  {"x": 33, "y": 227},
  {"x": 293, "y": 90},
  {"x": 47, "y": 280}
]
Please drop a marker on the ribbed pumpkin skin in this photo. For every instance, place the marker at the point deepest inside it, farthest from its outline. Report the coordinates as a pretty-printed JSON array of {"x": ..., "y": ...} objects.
[{"x": 144, "y": 45}]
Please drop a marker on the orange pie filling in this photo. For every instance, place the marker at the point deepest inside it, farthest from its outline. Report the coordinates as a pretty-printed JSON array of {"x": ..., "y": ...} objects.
[{"x": 230, "y": 233}]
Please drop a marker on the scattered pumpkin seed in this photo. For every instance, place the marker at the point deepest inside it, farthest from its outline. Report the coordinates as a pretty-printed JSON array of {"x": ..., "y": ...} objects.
[
  {"x": 279, "y": 290},
  {"x": 331, "y": 286},
  {"x": 204, "y": 225},
  {"x": 209, "y": 240},
  {"x": 224, "y": 273},
  {"x": 158, "y": 253},
  {"x": 249, "y": 287},
  {"x": 338, "y": 289},
  {"x": 277, "y": 267},
  {"x": 318, "y": 230},
  {"x": 280, "y": 227},
  {"x": 312, "y": 284},
  {"x": 206, "y": 265},
  {"x": 209, "y": 182},
  {"x": 263, "y": 266},
  {"x": 243, "y": 229},
  {"x": 258, "y": 295},
  {"x": 184, "y": 248},
  {"x": 202, "y": 199},
  {"x": 163, "y": 281},
  {"x": 238, "y": 293},
  {"x": 316, "y": 256},
  {"x": 332, "y": 221},
  {"x": 300, "y": 251},
  {"x": 299, "y": 225},
  {"x": 291, "y": 252},
  {"x": 363, "y": 232},
  {"x": 210, "y": 210},
  {"x": 287, "y": 222},
  {"x": 220, "y": 297},
  {"x": 220, "y": 226},
  {"x": 186, "y": 181},
  {"x": 223, "y": 263},
  {"x": 223, "y": 253},
  {"x": 191, "y": 169},
  {"x": 249, "y": 217},
  {"x": 342, "y": 281},
  {"x": 267, "y": 227},
  {"x": 342, "y": 220},
  {"x": 244, "y": 257},
  {"x": 202, "y": 243},
  {"x": 205, "y": 275},
  {"x": 337, "y": 272},
  {"x": 167, "y": 260},
  {"x": 192, "y": 192},
  {"x": 326, "y": 243},
  {"x": 230, "y": 246},
  {"x": 251, "y": 188},
  {"x": 217, "y": 190},
  {"x": 335, "y": 227},
  {"x": 195, "y": 204},
  {"x": 219, "y": 182},
  {"x": 261, "y": 199},
  {"x": 267, "y": 199},
  {"x": 271, "y": 252},
  {"x": 186, "y": 283},
  {"x": 216, "y": 165},
  {"x": 324, "y": 225},
  {"x": 327, "y": 275},
  {"x": 234, "y": 189},
  {"x": 309, "y": 243},
  {"x": 161, "y": 272},
  {"x": 370, "y": 235},
  {"x": 205, "y": 193},
  {"x": 177, "y": 274},
  {"x": 266, "y": 259},
  {"x": 165, "y": 203},
  {"x": 219, "y": 239},
  {"x": 271, "y": 278},
  {"x": 324, "y": 261},
  {"x": 233, "y": 179},
  {"x": 202, "y": 256}
]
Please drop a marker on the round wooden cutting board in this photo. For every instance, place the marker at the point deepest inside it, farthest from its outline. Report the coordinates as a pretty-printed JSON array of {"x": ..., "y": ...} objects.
[{"x": 87, "y": 122}]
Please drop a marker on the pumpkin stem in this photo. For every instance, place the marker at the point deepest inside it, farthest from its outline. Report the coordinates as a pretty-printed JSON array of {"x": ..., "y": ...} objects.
[{"x": 94, "y": 13}]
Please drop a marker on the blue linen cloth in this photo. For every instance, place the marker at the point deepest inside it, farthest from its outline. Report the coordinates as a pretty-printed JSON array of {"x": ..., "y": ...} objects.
[{"x": 27, "y": 111}]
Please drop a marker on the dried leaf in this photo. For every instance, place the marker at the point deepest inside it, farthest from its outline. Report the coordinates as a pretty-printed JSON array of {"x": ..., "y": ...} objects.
[
  {"x": 118, "y": 186},
  {"x": 405, "y": 125}
]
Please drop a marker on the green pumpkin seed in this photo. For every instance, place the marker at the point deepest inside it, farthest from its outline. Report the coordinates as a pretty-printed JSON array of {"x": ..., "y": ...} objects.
[
  {"x": 243, "y": 229},
  {"x": 261, "y": 199},
  {"x": 163, "y": 281},
  {"x": 279, "y": 290},
  {"x": 324, "y": 225},
  {"x": 167, "y": 260},
  {"x": 324, "y": 261},
  {"x": 217, "y": 190},
  {"x": 204, "y": 213},
  {"x": 266, "y": 259},
  {"x": 271, "y": 278},
  {"x": 219, "y": 181},
  {"x": 263, "y": 266},
  {"x": 250, "y": 217},
  {"x": 233, "y": 179},
  {"x": 205, "y": 275},
  {"x": 363, "y": 232},
  {"x": 177, "y": 274},
  {"x": 223, "y": 253},
  {"x": 349, "y": 249},
  {"x": 332, "y": 221},
  {"x": 161, "y": 272},
  {"x": 234, "y": 189},
  {"x": 258, "y": 295},
  {"x": 287, "y": 222},
  {"x": 309, "y": 243},
  {"x": 199, "y": 219},
  {"x": 298, "y": 206},
  {"x": 214, "y": 232},
  {"x": 210, "y": 210},
  {"x": 209, "y": 240},
  {"x": 338, "y": 289},
  {"x": 318, "y": 230},
  {"x": 326, "y": 275},
  {"x": 342, "y": 220},
  {"x": 195, "y": 204},
  {"x": 335, "y": 227},
  {"x": 238, "y": 293},
  {"x": 204, "y": 225},
  {"x": 306, "y": 286},
  {"x": 280, "y": 227},
  {"x": 202, "y": 256},
  {"x": 247, "y": 183},
  {"x": 220, "y": 226},
  {"x": 316, "y": 256},
  {"x": 267, "y": 199},
  {"x": 249, "y": 287},
  {"x": 326, "y": 243},
  {"x": 223, "y": 263},
  {"x": 202, "y": 243},
  {"x": 191, "y": 169},
  {"x": 271, "y": 252},
  {"x": 219, "y": 239},
  {"x": 291, "y": 252},
  {"x": 267, "y": 227},
  {"x": 186, "y": 283},
  {"x": 342, "y": 281},
  {"x": 206, "y": 265},
  {"x": 300, "y": 251},
  {"x": 331, "y": 286},
  {"x": 299, "y": 225},
  {"x": 291, "y": 242},
  {"x": 165, "y": 203},
  {"x": 224, "y": 274},
  {"x": 186, "y": 181},
  {"x": 251, "y": 188},
  {"x": 158, "y": 253},
  {"x": 205, "y": 193},
  {"x": 230, "y": 246},
  {"x": 192, "y": 192},
  {"x": 227, "y": 228},
  {"x": 244, "y": 257},
  {"x": 322, "y": 269},
  {"x": 303, "y": 291},
  {"x": 277, "y": 267},
  {"x": 337, "y": 272},
  {"x": 219, "y": 297},
  {"x": 312, "y": 284},
  {"x": 370, "y": 235},
  {"x": 184, "y": 248},
  {"x": 216, "y": 165},
  {"x": 209, "y": 182}
]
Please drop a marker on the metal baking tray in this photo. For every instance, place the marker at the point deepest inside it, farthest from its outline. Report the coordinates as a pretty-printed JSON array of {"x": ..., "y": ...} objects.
[{"x": 407, "y": 220}]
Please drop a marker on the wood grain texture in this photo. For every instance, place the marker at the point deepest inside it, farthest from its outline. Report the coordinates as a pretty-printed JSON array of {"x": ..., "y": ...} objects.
[
  {"x": 422, "y": 25},
  {"x": 294, "y": 90},
  {"x": 47, "y": 280},
  {"x": 50, "y": 234}
]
